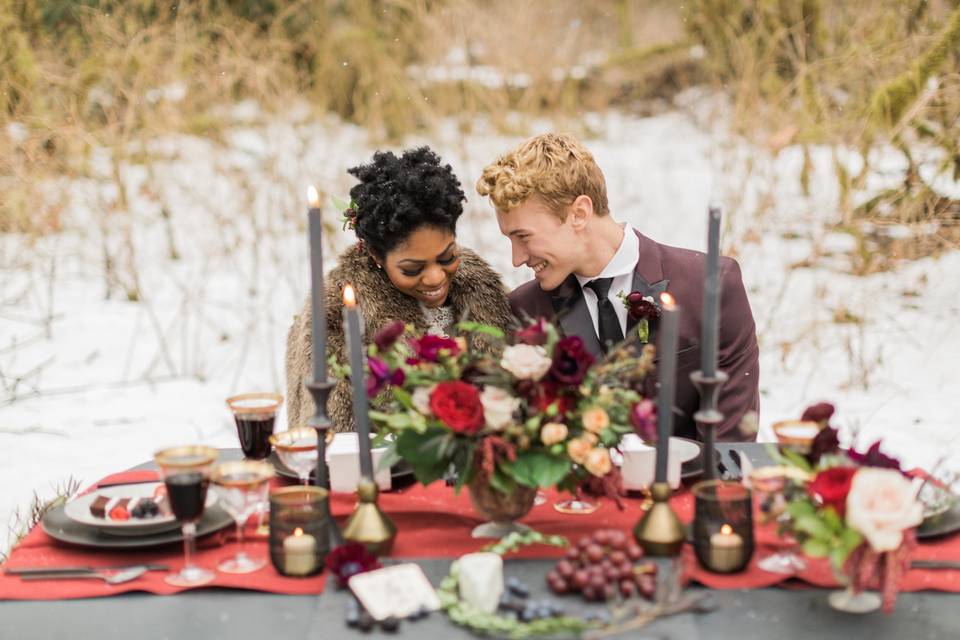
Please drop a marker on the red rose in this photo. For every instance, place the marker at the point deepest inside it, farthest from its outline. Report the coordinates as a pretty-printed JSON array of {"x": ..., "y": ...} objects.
[
  {"x": 458, "y": 405},
  {"x": 831, "y": 487},
  {"x": 429, "y": 347}
]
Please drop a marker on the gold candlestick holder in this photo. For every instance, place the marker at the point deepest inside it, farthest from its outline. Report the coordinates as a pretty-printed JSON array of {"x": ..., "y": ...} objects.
[
  {"x": 368, "y": 524},
  {"x": 660, "y": 532}
]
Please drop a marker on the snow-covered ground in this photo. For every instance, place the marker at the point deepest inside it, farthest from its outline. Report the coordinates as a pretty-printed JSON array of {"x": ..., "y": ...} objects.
[{"x": 92, "y": 385}]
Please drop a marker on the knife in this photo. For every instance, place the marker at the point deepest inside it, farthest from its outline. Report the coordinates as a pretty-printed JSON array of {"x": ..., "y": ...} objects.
[
  {"x": 32, "y": 571},
  {"x": 935, "y": 564}
]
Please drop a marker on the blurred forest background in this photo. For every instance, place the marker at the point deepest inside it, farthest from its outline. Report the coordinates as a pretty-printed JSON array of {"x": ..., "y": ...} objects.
[{"x": 78, "y": 75}]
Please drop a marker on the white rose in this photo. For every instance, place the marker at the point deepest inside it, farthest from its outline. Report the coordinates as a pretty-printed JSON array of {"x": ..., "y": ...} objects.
[
  {"x": 881, "y": 505},
  {"x": 421, "y": 399},
  {"x": 526, "y": 361},
  {"x": 498, "y": 407}
]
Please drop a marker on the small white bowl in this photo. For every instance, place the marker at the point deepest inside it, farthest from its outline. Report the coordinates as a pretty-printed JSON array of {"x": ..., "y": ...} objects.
[
  {"x": 640, "y": 461},
  {"x": 343, "y": 462}
]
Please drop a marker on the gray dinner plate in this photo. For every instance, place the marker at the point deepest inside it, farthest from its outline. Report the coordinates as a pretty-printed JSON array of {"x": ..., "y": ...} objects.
[
  {"x": 940, "y": 525},
  {"x": 57, "y": 525}
]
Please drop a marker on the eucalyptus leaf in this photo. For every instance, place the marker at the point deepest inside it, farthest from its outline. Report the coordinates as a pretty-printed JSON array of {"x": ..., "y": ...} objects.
[
  {"x": 816, "y": 548},
  {"x": 478, "y": 327}
]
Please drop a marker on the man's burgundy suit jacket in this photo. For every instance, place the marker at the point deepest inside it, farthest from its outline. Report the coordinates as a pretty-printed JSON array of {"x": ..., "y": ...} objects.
[{"x": 681, "y": 272}]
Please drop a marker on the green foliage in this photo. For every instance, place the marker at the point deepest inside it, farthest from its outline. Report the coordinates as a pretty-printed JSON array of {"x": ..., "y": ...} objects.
[
  {"x": 540, "y": 469},
  {"x": 462, "y": 614}
]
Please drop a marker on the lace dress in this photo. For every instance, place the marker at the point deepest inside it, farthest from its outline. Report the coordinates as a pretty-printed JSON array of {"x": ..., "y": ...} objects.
[{"x": 439, "y": 319}]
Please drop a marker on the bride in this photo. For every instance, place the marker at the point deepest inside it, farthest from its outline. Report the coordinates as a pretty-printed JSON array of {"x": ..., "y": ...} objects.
[{"x": 406, "y": 265}]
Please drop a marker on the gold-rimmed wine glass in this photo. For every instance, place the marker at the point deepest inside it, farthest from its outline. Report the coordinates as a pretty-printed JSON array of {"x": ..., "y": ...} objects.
[
  {"x": 767, "y": 485},
  {"x": 255, "y": 415},
  {"x": 242, "y": 488},
  {"x": 186, "y": 474},
  {"x": 297, "y": 450}
]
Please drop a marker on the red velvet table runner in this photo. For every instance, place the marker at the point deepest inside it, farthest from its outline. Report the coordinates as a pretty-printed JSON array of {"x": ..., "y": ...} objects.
[{"x": 433, "y": 522}]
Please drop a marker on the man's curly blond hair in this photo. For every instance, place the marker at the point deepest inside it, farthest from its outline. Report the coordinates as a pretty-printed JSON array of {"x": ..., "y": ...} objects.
[{"x": 554, "y": 166}]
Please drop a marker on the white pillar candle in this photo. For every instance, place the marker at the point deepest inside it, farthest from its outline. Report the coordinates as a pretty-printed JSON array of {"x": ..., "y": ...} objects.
[{"x": 299, "y": 553}]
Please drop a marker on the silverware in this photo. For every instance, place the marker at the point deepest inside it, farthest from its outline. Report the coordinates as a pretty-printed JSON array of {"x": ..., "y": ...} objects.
[
  {"x": 935, "y": 564},
  {"x": 27, "y": 571},
  {"x": 119, "y": 577}
]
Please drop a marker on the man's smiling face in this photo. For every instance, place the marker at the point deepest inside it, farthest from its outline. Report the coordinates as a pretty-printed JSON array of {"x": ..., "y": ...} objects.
[{"x": 541, "y": 241}]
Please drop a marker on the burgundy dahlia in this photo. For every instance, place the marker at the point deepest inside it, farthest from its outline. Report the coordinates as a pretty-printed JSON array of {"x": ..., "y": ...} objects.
[
  {"x": 535, "y": 334},
  {"x": 388, "y": 335},
  {"x": 642, "y": 307},
  {"x": 820, "y": 412},
  {"x": 571, "y": 360},
  {"x": 429, "y": 347}
]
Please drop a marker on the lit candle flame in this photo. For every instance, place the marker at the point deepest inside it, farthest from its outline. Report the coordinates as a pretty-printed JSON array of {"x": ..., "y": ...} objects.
[
  {"x": 349, "y": 296},
  {"x": 299, "y": 532},
  {"x": 667, "y": 301},
  {"x": 313, "y": 197},
  {"x": 726, "y": 529}
]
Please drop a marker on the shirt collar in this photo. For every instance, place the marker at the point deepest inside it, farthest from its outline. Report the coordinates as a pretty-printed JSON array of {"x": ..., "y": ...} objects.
[{"x": 624, "y": 261}]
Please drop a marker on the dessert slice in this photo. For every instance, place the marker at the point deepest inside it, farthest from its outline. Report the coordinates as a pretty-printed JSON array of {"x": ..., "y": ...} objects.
[{"x": 98, "y": 509}]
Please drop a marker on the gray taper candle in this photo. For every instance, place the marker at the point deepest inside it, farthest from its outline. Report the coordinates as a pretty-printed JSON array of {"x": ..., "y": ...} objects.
[
  {"x": 358, "y": 378},
  {"x": 318, "y": 321},
  {"x": 711, "y": 296},
  {"x": 667, "y": 373}
]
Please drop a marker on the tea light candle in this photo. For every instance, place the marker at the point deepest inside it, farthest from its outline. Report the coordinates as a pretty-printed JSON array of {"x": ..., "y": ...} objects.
[
  {"x": 726, "y": 550},
  {"x": 299, "y": 553}
]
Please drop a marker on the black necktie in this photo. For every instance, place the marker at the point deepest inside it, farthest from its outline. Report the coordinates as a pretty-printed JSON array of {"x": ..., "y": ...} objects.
[{"x": 607, "y": 320}]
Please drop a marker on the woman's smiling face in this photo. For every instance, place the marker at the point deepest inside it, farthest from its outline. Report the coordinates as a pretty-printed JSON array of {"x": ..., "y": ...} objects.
[{"x": 423, "y": 265}]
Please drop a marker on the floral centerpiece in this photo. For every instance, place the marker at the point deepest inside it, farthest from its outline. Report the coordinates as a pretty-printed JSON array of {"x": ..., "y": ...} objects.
[
  {"x": 856, "y": 508},
  {"x": 534, "y": 411}
]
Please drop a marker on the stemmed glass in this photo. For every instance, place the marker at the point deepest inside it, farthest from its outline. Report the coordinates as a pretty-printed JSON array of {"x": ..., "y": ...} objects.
[
  {"x": 242, "y": 488},
  {"x": 186, "y": 474},
  {"x": 297, "y": 449},
  {"x": 255, "y": 415},
  {"x": 767, "y": 485}
]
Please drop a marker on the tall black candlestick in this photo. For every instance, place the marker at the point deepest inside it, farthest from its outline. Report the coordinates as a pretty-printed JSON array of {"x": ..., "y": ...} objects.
[
  {"x": 711, "y": 296},
  {"x": 351, "y": 316},
  {"x": 319, "y": 319},
  {"x": 667, "y": 372}
]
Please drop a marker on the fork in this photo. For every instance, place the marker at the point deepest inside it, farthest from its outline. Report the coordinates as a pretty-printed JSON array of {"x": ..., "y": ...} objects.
[{"x": 110, "y": 578}]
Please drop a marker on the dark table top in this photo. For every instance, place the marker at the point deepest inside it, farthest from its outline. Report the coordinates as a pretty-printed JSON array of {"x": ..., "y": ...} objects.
[{"x": 215, "y": 614}]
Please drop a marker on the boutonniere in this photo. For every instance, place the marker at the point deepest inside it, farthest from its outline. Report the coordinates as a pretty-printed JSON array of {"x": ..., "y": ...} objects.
[{"x": 642, "y": 309}]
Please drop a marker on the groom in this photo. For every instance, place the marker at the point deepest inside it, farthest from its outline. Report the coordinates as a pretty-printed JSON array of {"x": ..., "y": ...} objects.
[{"x": 551, "y": 202}]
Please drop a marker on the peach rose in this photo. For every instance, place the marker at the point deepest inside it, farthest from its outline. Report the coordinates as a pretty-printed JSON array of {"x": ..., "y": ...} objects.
[
  {"x": 526, "y": 361},
  {"x": 881, "y": 505},
  {"x": 595, "y": 419},
  {"x": 578, "y": 449},
  {"x": 552, "y": 433},
  {"x": 598, "y": 462}
]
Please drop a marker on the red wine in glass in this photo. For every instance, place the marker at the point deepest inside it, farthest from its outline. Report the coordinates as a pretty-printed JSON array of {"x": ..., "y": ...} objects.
[
  {"x": 254, "y": 432},
  {"x": 187, "y": 494}
]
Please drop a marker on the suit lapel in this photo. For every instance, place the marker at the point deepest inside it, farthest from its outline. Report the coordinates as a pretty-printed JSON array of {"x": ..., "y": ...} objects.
[
  {"x": 649, "y": 270},
  {"x": 573, "y": 316}
]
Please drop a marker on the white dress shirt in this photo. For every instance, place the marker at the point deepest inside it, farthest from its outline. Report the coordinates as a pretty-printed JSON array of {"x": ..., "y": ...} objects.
[{"x": 620, "y": 268}]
